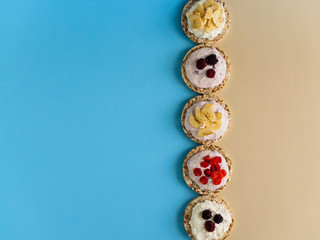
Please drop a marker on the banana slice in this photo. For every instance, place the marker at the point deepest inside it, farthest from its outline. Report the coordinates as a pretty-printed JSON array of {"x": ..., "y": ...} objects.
[
  {"x": 200, "y": 116},
  {"x": 198, "y": 14},
  {"x": 193, "y": 122},
  {"x": 215, "y": 6},
  {"x": 202, "y": 124},
  {"x": 210, "y": 26},
  {"x": 218, "y": 116},
  {"x": 208, "y": 3},
  {"x": 209, "y": 125},
  {"x": 209, "y": 13},
  {"x": 209, "y": 114},
  {"x": 200, "y": 9},
  {"x": 205, "y": 132},
  {"x": 217, "y": 125},
  {"x": 204, "y": 20},
  {"x": 196, "y": 22},
  {"x": 218, "y": 18},
  {"x": 208, "y": 105}
]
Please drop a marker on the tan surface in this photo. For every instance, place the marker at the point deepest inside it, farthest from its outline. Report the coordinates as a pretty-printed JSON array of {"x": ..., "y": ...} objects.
[{"x": 274, "y": 97}]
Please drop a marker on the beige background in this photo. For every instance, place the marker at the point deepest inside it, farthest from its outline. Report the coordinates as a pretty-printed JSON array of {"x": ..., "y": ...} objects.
[{"x": 274, "y": 95}]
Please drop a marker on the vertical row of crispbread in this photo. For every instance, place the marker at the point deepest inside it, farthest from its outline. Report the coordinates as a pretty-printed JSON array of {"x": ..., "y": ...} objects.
[{"x": 206, "y": 40}]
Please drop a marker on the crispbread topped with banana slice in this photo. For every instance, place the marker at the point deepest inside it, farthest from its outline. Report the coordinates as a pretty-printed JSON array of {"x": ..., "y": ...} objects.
[
  {"x": 205, "y": 21},
  {"x": 205, "y": 119}
]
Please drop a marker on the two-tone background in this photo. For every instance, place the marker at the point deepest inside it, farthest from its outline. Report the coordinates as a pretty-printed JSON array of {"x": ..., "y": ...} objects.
[{"x": 91, "y": 94}]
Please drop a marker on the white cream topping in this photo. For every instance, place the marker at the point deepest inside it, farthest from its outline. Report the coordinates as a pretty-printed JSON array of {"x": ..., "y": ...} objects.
[
  {"x": 198, "y": 77},
  {"x": 216, "y": 108},
  {"x": 203, "y": 33},
  {"x": 194, "y": 162},
  {"x": 197, "y": 222}
]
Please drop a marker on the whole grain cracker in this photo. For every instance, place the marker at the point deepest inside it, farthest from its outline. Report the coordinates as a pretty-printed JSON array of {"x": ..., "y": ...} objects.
[
  {"x": 191, "y": 36},
  {"x": 188, "y": 213},
  {"x": 193, "y": 101},
  {"x": 208, "y": 91},
  {"x": 185, "y": 169}
]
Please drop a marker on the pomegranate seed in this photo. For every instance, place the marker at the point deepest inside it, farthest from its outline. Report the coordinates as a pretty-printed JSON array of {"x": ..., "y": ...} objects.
[
  {"x": 217, "y": 159},
  {"x": 207, "y": 172},
  {"x": 215, "y": 175},
  {"x": 204, "y": 164},
  {"x": 216, "y": 181},
  {"x": 207, "y": 158},
  {"x": 197, "y": 172},
  {"x": 204, "y": 180}
]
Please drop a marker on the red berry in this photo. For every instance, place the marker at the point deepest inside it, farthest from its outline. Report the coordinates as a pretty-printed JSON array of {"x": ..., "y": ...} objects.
[
  {"x": 204, "y": 164},
  {"x": 207, "y": 172},
  {"x": 204, "y": 180},
  {"x": 214, "y": 174},
  {"x": 216, "y": 181},
  {"x": 211, "y": 73},
  {"x": 215, "y": 167},
  {"x": 217, "y": 159},
  {"x": 197, "y": 172},
  {"x": 207, "y": 158},
  {"x": 224, "y": 173},
  {"x": 201, "y": 64},
  {"x": 212, "y": 161}
]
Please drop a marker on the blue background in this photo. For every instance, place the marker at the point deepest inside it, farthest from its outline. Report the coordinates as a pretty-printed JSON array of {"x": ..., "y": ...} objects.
[{"x": 90, "y": 140}]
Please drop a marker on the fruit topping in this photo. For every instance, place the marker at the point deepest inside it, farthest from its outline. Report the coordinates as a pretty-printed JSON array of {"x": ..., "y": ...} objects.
[
  {"x": 204, "y": 164},
  {"x": 207, "y": 158},
  {"x": 215, "y": 174},
  {"x": 216, "y": 181},
  {"x": 211, "y": 73},
  {"x": 218, "y": 218},
  {"x": 207, "y": 172},
  {"x": 197, "y": 172},
  {"x": 212, "y": 60},
  {"x": 204, "y": 180},
  {"x": 203, "y": 132},
  {"x": 209, "y": 226},
  {"x": 206, "y": 214},
  {"x": 215, "y": 167},
  {"x": 201, "y": 64},
  {"x": 206, "y": 120},
  {"x": 207, "y": 16}
]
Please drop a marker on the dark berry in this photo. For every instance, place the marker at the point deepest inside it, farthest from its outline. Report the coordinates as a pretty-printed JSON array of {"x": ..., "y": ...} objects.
[
  {"x": 218, "y": 218},
  {"x": 211, "y": 60},
  {"x": 204, "y": 180},
  {"x": 197, "y": 172},
  {"x": 211, "y": 73},
  {"x": 206, "y": 214},
  {"x": 207, "y": 172},
  {"x": 204, "y": 164},
  {"x": 201, "y": 64},
  {"x": 209, "y": 226}
]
